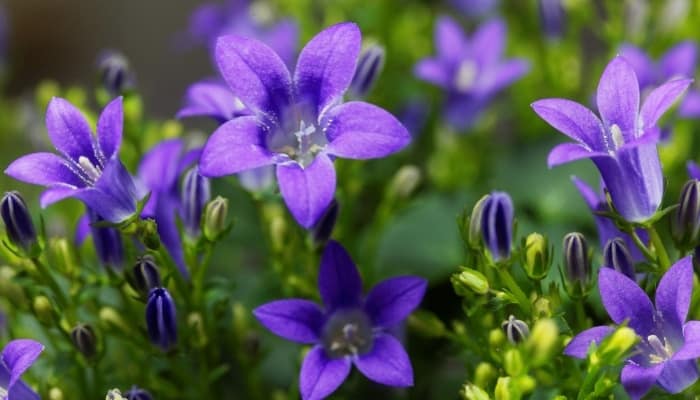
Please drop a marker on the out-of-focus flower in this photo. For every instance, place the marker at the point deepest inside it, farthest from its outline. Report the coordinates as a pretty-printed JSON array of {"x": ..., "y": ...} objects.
[
  {"x": 116, "y": 75},
  {"x": 668, "y": 345},
  {"x": 497, "y": 224},
  {"x": 107, "y": 242},
  {"x": 137, "y": 393},
  {"x": 88, "y": 167},
  {"x": 471, "y": 70},
  {"x": 369, "y": 67},
  {"x": 161, "y": 320},
  {"x": 299, "y": 123},
  {"x": 552, "y": 18},
  {"x": 475, "y": 8},
  {"x": 18, "y": 221},
  {"x": 17, "y": 356},
  {"x": 349, "y": 329},
  {"x": 685, "y": 220},
  {"x": 623, "y": 144},
  {"x": 617, "y": 256}
]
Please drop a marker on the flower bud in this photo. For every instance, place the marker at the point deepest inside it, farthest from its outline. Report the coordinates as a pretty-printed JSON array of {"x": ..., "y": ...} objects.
[
  {"x": 114, "y": 394},
  {"x": 497, "y": 225},
  {"x": 470, "y": 225},
  {"x": 504, "y": 389},
  {"x": 115, "y": 74},
  {"x": 147, "y": 231},
  {"x": 369, "y": 67},
  {"x": 323, "y": 229},
  {"x": 513, "y": 362},
  {"x": 472, "y": 392},
  {"x": 111, "y": 319},
  {"x": 538, "y": 256},
  {"x": 18, "y": 221},
  {"x": 196, "y": 193},
  {"x": 55, "y": 394},
  {"x": 405, "y": 181},
  {"x": 144, "y": 275},
  {"x": 136, "y": 393},
  {"x": 617, "y": 256},
  {"x": 496, "y": 338},
  {"x": 484, "y": 374},
  {"x": 426, "y": 323},
  {"x": 107, "y": 242},
  {"x": 161, "y": 319},
  {"x": 10, "y": 289},
  {"x": 685, "y": 222},
  {"x": 542, "y": 341},
  {"x": 469, "y": 280},
  {"x": 215, "y": 214},
  {"x": 84, "y": 339},
  {"x": 516, "y": 330},
  {"x": 615, "y": 348},
  {"x": 552, "y": 18},
  {"x": 43, "y": 310},
  {"x": 577, "y": 265},
  {"x": 195, "y": 324}
]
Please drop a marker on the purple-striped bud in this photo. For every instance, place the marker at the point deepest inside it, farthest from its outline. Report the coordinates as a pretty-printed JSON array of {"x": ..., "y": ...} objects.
[
  {"x": 136, "y": 393},
  {"x": 107, "y": 241},
  {"x": 497, "y": 224},
  {"x": 577, "y": 265},
  {"x": 323, "y": 229},
  {"x": 196, "y": 193},
  {"x": 18, "y": 222},
  {"x": 84, "y": 339},
  {"x": 369, "y": 67},
  {"x": 552, "y": 18},
  {"x": 617, "y": 256},
  {"x": 145, "y": 275},
  {"x": 115, "y": 74},
  {"x": 516, "y": 330},
  {"x": 685, "y": 222},
  {"x": 161, "y": 319}
]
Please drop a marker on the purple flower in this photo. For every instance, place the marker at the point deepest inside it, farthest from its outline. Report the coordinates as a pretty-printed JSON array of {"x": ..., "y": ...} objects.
[
  {"x": 475, "y": 8},
  {"x": 213, "y": 99},
  {"x": 497, "y": 224},
  {"x": 161, "y": 318},
  {"x": 17, "y": 356},
  {"x": 623, "y": 144},
  {"x": 107, "y": 241},
  {"x": 348, "y": 329},
  {"x": 668, "y": 345},
  {"x": 88, "y": 167},
  {"x": 470, "y": 70},
  {"x": 552, "y": 18},
  {"x": 299, "y": 123}
]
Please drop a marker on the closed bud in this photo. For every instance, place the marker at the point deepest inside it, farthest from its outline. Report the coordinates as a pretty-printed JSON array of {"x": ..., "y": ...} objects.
[
  {"x": 472, "y": 392},
  {"x": 615, "y": 348},
  {"x": 469, "y": 280},
  {"x": 215, "y": 215},
  {"x": 18, "y": 222},
  {"x": 115, "y": 74},
  {"x": 43, "y": 310},
  {"x": 111, "y": 319},
  {"x": 148, "y": 233},
  {"x": 577, "y": 265},
  {"x": 542, "y": 342},
  {"x": 114, "y": 394},
  {"x": 144, "y": 275},
  {"x": 196, "y": 192},
  {"x": 84, "y": 339},
  {"x": 161, "y": 319},
  {"x": 617, "y": 256},
  {"x": 542, "y": 308},
  {"x": 10, "y": 289},
  {"x": 537, "y": 256},
  {"x": 426, "y": 323},
  {"x": 405, "y": 181},
  {"x": 504, "y": 389},
  {"x": 136, "y": 393},
  {"x": 685, "y": 222},
  {"x": 107, "y": 241},
  {"x": 323, "y": 229},
  {"x": 496, "y": 338},
  {"x": 195, "y": 324},
  {"x": 369, "y": 67},
  {"x": 484, "y": 374},
  {"x": 55, "y": 394},
  {"x": 516, "y": 330},
  {"x": 497, "y": 225},
  {"x": 552, "y": 18},
  {"x": 470, "y": 225},
  {"x": 513, "y": 362},
  {"x": 61, "y": 256}
]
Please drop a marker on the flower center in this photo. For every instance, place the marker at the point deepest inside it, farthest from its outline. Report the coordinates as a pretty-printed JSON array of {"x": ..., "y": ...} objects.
[
  {"x": 617, "y": 138},
  {"x": 660, "y": 351},
  {"x": 466, "y": 75},
  {"x": 91, "y": 171},
  {"x": 347, "y": 333},
  {"x": 3, "y": 393},
  {"x": 302, "y": 145}
]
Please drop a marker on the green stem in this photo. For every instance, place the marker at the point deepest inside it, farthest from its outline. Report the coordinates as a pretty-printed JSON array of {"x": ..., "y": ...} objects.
[
  {"x": 51, "y": 282},
  {"x": 640, "y": 244},
  {"x": 664, "y": 261},
  {"x": 588, "y": 385},
  {"x": 513, "y": 286}
]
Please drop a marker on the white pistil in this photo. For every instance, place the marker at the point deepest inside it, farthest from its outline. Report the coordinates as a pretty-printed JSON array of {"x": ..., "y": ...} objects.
[
  {"x": 3, "y": 393},
  {"x": 617, "y": 137},
  {"x": 466, "y": 75},
  {"x": 90, "y": 170},
  {"x": 661, "y": 353}
]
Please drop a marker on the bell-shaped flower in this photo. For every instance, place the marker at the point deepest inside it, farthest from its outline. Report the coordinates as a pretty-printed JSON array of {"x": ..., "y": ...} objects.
[{"x": 16, "y": 357}]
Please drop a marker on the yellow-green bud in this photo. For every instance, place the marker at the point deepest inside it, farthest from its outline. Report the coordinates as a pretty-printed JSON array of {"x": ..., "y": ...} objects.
[
  {"x": 43, "y": 310},
  {"x": 484, "y": 374},
  {"x": 537, "y": 256},
  {"x": 215, "y": 215},
  {"x": 542, "y": 308},
  {"x": 473, "y": 392},
  {"x": 55, "y": 394},
  {"x": 614, "y": 349},
  {"x": 195, "y": 323},
  {"x": 496, "y": 338},
  {"x": 469, "y": 280},
  {"x": 62, "y": 257},
  {"x": 474, "y": 234},
  {"x": 525, "y": 383},
  {"x": 112, "y": 319},
  {"x": 405, "y": 181},
  {"x": 504, "y": 389},
  {"x": 543, "y": 341},
  {"x": 148, "y": 233},
  {"x": 426, "y": 323},
  {"x": 513, "y": 362}
]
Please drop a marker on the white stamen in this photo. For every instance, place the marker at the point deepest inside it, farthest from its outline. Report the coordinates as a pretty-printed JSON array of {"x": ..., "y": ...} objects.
[
  {"x": 466, "y": 75},
  {"x": 3, "y": 393},
  {"x": 90, "y": 170},
  {"x": 661, "y": 352},
  {"x": 617, "y": 137}
]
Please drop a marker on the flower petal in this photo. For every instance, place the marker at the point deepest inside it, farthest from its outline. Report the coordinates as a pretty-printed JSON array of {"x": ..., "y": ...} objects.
[
  {"x": 678, "y": 375},
  {"x": 55, "y": 194},
  {"x": 579, "y": 345},
  {"x": 488, "y": 42},
  {"x": 691, "y": 342},
  {"x": 449, "y": 39},
  {"x": 339, "y": 282},
  {"x": 169, "y": 233},
  {"x": 326, "y": 66},
  {"x": 674, "y": 292},
  {"x": 293, "y": 319},
  {"x": 69, "y": 131},
  {"x": 110, "y": 127},
  {"x": 361, "y": 130},
  {"x": 392, "y": 300},
  {"x": 45, "y": 169},
  {"x": 18, "y": 355},
  {"x": 158, "y": 169},
  {"x": 211, "y": 99},
  {"x": 236, "y": 146},
  {"x": 573, "y": 120},
  {"x": 690, "y": 107},
  {"x": 660, "y": 100},
  {"x": 320, "y": 376},
  {"x": 568, "y": 152},
  {"x": 255, "y": 74},
  {"x": 307, "y": 191},
  {"x": 618, "y": 97},
  {"x": 680, "y": 60},
  {"x": 432, "y": 70},
  {"x": 387, "y": 363},
  {"x": 499, "y": 76},
  {"x": 644, "y": 67},
  {"x": 82, "y": 229},
  {"x": 638, "y": 380},
  {"x": 20, "y": 391},
  {"x": 623, "y": 300}
]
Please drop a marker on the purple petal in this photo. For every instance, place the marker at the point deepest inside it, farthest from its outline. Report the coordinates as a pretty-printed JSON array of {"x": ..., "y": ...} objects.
[
  {"x": 55, "y": 194},
  {"x": 293, "y": 319},
  {"x": 618, "y": 97},
  {"x": 110, "y": 127},
  {"x": 284, "y": 37},
  {"x": 307, "y": 191},
  {"x": 677, "y": 375},
  {"x": 18, "y": 355},
  {"x": 623, "y": 300},
  {"x": 46, "y": 169},
  {"x": 681, "y": 60},
  {"x": 498, "y": 77},
  {"x": 462, "y": 110},
  {"x": 674, "y": 292},
  {"x": 644, "y": 67},
  {"x": 69, "y": 131},
  {"x": 20, "y": 391},
  {"x": 159, "y": 166},
  {"x": 258, "y": 179},
  {"x": 691, "y": 342},
  {"x": 568, "y": 152},
  {"x": 82, "y": 229},
  {"x": 432, "y": 70},
  {"x": 449, "y": 39},
  {"x": 660, "y": 100},
  {"x": 339, "y": 282},
  {"x": 326, "y": 66},
  {"x": 693, "y": 170},
  {"x": 235, "y": 146},
  {"x": 638, "y": 380},
  {"x": 392, "y": 300},
  {"x": 255, "y": 74},
  {"x": 387, "y": 363},
  {"x": 573, "y": 120},
  {"x": 320, "y": 376},
  {"x": 169, "y": 233},
  {"x": 579, "y": 345},
  {"x": 589, "y": 195},
  {"x": 488, "y": 42},
  {"x": 690, "y": 107},
  {"x": 211, "y": 99},
  {"x": 361, "y": 130}
]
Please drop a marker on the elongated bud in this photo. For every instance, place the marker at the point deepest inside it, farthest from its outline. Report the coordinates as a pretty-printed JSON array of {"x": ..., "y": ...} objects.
[
  {"x": 516, "y": 330},
  {"x": 577, "y": 265},
  {"x": 369, "y": 67},
  {"x": 18, "y": 222},
  {"x": 616, "y": 255},
  {"x": 469, "y": 280},
  {"x": 685, "y": 222},
  {"x": 497, "y": 225},
  {"x": 144, "y": 275},
  {"x": 196, "y": 193},
  {"x": 215, "y": 215},
  {"x": 426, "y": 324},
  {"x": 405, "y": 181},
  {"x": 472, "y": 392},
  {"x": 552, "y": 18},
  {"x": 484, "y": 374},
  {"x": 107, "y": 241},
  {"x": 115, "y": 73},
  {"x": 43, "y": 310},
  {"x": 538, "y": 256},
  {"x": 473, "y": 224},
  {"x": 195, "y": 324},
  {"x": 615, "y": 348},
  {"x": 542, "y": 341},
  {"x": 323, "y": 229},
  {"x": 136, "y": 393},
  {"x": 513, "y": 362},
  {"x": 161, "y": 319},
  {"x": 504, "y": 389},
  {"x": 84, "y": 339}
]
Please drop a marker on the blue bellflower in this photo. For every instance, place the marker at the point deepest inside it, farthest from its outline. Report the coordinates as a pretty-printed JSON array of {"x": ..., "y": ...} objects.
[
  {"x": 622, "y": 144},
  {"x": 497, "y": 224},
  {"x": 17, "y": 356},
  {"x": 18, "y": 221},
  {"x": 161, "y": 318},
  {"x": 349, "y": 329}
]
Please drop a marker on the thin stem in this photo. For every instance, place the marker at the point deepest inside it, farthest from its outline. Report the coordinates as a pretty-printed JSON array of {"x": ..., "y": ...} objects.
[
  {"x": 640, "y": 244},
  {"x": 513, "y": 286},
  {"x": 49, "y": 280},
  {"x": 664, "y": 261}
]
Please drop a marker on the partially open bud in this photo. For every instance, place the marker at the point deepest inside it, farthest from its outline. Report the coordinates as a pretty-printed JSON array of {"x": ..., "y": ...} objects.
[
  {"x": 18, "y": 222},
  {"x": 577, "y": 265},
  {"x": 516, "y": 330},
  {"x": 84, "y": 339},
  {"x": 617, "y": 256},
  {"x": 323, "y": 229},
  {"x": 369, "y": 67},
  {"x": 161, "y": 319},
  {"x": 497, "y": 225},
  {"x": 469, "y": 280},
  {"x": 136, "y": 393},
  {"x": 196, "y": 192},
  {"x": 685, "y": 221},
  {"x": 115, "y": 74},
  {"x": 144, "y": 275},
  {"x": 215, "y": 215},
  {"x": 537, "y": 256},
  {"x": 470, "y": 224}
]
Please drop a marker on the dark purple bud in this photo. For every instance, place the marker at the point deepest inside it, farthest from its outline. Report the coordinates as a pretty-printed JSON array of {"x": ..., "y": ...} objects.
[
  {"x": 552, "y": 18},
  {"x": 18, "y": 221},
  {"x": 369, "y": 67},
  {"x": 497, "y": 224},
  {"x": 145, "y": 275},
  {"x": 617, "y": 256},
  {"x": 107, "y": 241},
  {"x": 323, "y": 229},
  {"x": 196, "y": 193},
  {"x": 577, "y": 265},
  {"x": 84, "y": 339},
  {"x": 685, "y": 222},
  {"x": 115, "y": 74},
  {"x": 161, "y": 320},
  {"x": 515, "y": 329},
  {"x": 136, "y": 393}
]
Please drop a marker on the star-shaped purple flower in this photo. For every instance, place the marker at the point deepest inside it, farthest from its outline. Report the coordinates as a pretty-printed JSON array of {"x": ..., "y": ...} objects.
[
  {"x": 471, "y": 70},
  {"x": 623, "y": 144},
  {"x": 88, "y": 167},
  {"x": 349, "y": 329},
  {"x": 668, "y": 344},
  {"x": 17, "y": 356},
  {"x": 299, "y": 122}
]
